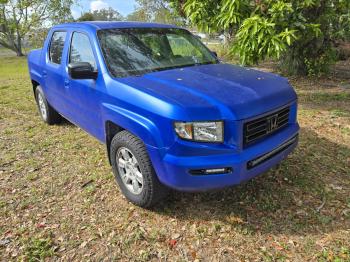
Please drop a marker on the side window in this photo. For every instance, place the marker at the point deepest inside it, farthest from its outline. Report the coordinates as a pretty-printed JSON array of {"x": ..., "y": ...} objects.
[
  {"x": 56, "y": 47},
  {"x": 80, "y": 50}
]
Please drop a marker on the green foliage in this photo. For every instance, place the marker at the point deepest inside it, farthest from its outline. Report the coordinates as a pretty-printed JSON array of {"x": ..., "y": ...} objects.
[
  {"x": 341, "y": 254},
  {"x": 19, "y": 17},
  {"x": 108, "y": 14},
  {"x": 37, "y": 37},
  {"x": 301, "y": 33},
  {"x": 267, "y": 42},
  {"x": 38, "y": 249},
  {"x": 158, "y": 11},
  {"x": 88, "y": 16},
  {"x": 213, "y": 16},
  {"x": 139, "y": 14},
  {"x": 321, "y": 65}
]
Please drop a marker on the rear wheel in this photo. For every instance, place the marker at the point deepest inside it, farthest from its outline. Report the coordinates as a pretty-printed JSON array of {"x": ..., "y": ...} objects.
[
  {"x": 134, "y": 172},
  {"x": 47, "y": 112}
]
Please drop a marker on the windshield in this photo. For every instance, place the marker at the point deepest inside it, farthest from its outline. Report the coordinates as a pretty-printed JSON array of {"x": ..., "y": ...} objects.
[{"x": 136, "y": 51}]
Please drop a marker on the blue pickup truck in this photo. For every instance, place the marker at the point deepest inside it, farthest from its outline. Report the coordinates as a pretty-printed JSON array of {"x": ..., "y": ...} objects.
[{"x": 171, "y": 114}]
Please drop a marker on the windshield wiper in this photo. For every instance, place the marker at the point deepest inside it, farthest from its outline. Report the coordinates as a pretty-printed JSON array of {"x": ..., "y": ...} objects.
[{"x": 180, "y": 66}]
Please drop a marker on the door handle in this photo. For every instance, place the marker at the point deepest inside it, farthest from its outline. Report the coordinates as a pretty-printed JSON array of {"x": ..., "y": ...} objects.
[
  {"x": 44, "y": 73},
  {"x": 66, "y": 83}
]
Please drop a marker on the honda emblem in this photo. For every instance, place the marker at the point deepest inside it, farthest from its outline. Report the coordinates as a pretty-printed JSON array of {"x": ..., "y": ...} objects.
[{"x": 272, "y": 123}]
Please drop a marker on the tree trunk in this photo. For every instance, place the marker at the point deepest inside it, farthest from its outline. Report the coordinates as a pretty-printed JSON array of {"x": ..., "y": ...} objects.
[
  {"x": 19, "y": 53},
  {"x": 19, "y": 45}
]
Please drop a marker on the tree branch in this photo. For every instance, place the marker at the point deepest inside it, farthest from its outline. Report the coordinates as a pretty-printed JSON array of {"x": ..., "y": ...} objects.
[{"x": 6, "y": 45}]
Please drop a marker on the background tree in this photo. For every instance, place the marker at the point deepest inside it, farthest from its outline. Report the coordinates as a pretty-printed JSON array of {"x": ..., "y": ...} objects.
[
  {"x": 87, "y": 16},
  {"x": 37, "y": 36},
  {"x": 159, "y": 11},
  {"x": 19, "y": 17},
  {"x": 108, "y": 14},
  {"x": 301, "y": 33},
  {"x": 139, "y": 14}
]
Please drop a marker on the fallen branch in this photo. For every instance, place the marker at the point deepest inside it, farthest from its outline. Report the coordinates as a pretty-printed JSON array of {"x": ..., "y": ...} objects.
[
  {"x": 87, "y": 183},
  {"x": 318, "y": 209}
]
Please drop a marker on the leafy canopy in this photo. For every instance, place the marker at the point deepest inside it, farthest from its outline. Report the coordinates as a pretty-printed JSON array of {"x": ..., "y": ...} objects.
[
  {"x": 158, "y": 11},
  {"x": 19, "y": 17},
  {"x": 107, "y": 14},
  {"x": 301, "y": 33}
]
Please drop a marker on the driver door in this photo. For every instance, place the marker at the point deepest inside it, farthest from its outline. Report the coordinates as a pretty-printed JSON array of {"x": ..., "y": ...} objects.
[{"x": 83, "y": 94}]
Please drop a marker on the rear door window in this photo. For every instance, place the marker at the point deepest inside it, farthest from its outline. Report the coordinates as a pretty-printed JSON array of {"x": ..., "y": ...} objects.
[{"x": 56, "y": 47}]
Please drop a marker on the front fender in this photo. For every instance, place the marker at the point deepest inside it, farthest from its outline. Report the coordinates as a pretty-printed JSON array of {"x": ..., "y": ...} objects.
[{"x": 138, "y": 125}]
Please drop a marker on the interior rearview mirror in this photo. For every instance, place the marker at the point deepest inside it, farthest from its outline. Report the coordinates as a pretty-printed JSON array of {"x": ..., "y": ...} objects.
[{"x": 81, "y": 70}]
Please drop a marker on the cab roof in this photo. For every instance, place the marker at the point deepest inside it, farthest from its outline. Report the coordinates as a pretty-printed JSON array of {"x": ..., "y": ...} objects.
[{"x": 97, "y": 25}]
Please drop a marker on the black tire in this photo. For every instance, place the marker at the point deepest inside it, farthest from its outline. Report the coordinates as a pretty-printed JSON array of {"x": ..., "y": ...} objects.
[
  {"x": 152, "y": 190},
  {"x": 51, "y": 116}
]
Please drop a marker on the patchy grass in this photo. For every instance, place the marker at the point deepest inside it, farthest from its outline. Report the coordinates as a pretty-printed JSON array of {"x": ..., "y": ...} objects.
[
  {"x": 38, "y": 249},
  {"x": 58, "y": 198}
]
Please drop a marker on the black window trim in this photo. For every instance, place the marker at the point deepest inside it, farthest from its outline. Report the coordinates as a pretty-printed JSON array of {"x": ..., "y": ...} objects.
[
  {"x": 48, "y": 51},
  {"x": 70, "y": 46}
]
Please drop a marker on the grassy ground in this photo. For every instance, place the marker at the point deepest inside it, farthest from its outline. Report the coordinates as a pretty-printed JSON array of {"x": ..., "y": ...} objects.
[{"x": 58, "y": 198}]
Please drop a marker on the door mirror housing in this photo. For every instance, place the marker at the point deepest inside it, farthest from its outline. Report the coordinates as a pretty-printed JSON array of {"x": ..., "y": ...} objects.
[{"x": 81, "y": 70}]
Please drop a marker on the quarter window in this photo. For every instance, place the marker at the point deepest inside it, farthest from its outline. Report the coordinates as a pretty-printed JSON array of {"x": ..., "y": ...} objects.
[
  {"x": 81, "y": 50},
  {"x": 56, "y": 47}
]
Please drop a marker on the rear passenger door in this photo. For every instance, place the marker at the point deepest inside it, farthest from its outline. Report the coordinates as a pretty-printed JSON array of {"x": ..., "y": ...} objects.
[
  {"x": 53, "y": 71},
  {"x": 83, "y": 94}
]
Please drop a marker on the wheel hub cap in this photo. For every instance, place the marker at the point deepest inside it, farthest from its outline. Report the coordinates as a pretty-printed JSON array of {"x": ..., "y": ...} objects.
[
  {"x": 42, "y": 106},
  {"x": 129, "y": 170}
]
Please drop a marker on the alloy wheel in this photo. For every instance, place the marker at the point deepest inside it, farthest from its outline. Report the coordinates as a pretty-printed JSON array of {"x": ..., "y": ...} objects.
[{"x": 129, "y": 170}]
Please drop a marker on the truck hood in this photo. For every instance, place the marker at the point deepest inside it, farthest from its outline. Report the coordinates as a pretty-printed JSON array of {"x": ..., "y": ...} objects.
[{"x": 205, "y": 91}]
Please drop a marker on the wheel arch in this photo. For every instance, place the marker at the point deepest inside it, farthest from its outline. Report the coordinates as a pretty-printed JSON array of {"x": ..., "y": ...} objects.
[
  {"x": 111, "y": 129},
  {"x": 119, "y": 119},
  {"x": 35, "y": 84}
]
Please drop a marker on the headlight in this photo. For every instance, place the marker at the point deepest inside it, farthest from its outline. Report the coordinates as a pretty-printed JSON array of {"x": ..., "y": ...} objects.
[{"x": 200, "y": 131}]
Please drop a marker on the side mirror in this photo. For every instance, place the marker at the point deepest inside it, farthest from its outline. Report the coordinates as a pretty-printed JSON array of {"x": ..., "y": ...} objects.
[
  {"x": 81, "y": 70},
  {"x": 214, "y": 53}
]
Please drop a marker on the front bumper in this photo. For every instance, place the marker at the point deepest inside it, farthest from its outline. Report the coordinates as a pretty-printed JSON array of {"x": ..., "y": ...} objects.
[{"x": 174, "y": 171}]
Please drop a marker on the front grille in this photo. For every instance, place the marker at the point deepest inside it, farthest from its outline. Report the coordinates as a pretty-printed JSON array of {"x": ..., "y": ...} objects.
[{"x": 266, "y": 125}]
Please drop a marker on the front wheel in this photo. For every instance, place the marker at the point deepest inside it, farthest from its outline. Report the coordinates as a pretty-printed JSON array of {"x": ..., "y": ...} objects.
[{"x": 134, "y": 172}]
